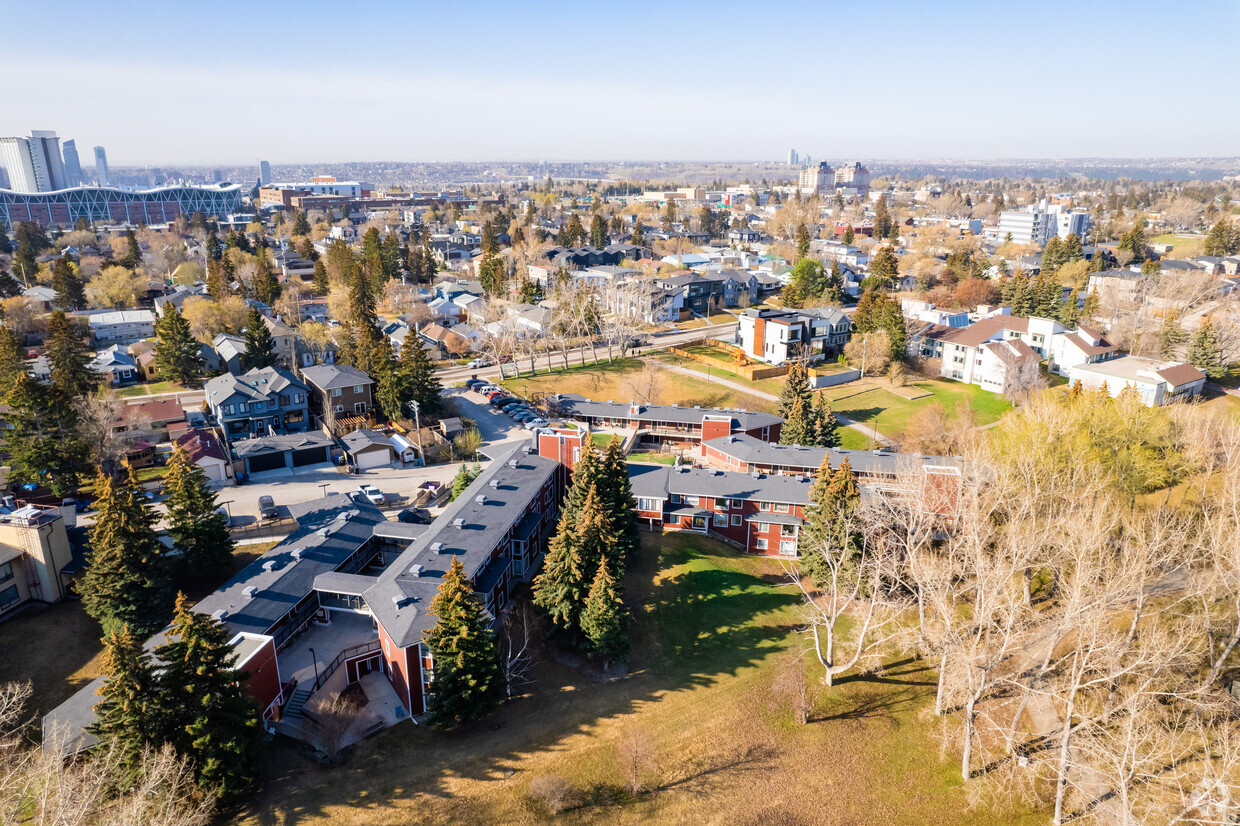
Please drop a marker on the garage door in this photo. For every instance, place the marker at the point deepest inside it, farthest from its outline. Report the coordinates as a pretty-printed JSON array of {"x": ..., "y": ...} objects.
[
  {"x": 309, "y": 456},
  {"x": 268, "y": 461},
  {"x": 374, "y": 458},
  {"x": 213, "y": 470}
]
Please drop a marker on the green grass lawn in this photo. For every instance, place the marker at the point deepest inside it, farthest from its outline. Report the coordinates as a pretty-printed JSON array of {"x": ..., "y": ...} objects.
[
  {"x": 772, "y": 386},
  {"x": 852, "y": 439},
  {"x": 708, "y": 627},
  {"x": 889, "y": 414},
  {"x": 153, "y": 387},
  {"x": 652, "y": 457},
  {"x": 1183, "y": 246}
]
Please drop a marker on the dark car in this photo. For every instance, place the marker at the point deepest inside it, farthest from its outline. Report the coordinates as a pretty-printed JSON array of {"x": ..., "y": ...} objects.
[
  {"x": 267, "y": 507},
  {"x": 472, "y": 383},
  {"x": 508, "y": 407},
  {"x": 500, "y": 401}
]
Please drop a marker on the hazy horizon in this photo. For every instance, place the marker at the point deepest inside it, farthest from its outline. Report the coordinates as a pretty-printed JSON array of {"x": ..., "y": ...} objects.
[{"x": 230, "y": 83}]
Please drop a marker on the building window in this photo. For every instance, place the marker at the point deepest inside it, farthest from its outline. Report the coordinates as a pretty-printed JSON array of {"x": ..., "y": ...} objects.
[
  {"x": 760, "y": 527},
  {"x": 648, "y": 505},
  {"x": 8, "y": 597},
  {"x": 692, "y": 500},
  {"x": 721, "y": 504},
  {"x": 721, "y": 520},
  {"x": 783, "y": 508},
  {"x": 737, "y": 504},
  {"x": 337, "y": 392},
  {"x": 760, "y": 544},
  {"x": 788, "y": 546},
  {"x": 736, "y": 519},
  {"x": 787, "y": 530},
  {"x": 675, "y": 498},
  {"x": 6, "y": 572}
]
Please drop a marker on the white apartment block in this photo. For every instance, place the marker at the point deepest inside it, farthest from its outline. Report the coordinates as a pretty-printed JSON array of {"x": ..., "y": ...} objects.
[
  {"x": 1155, "y": 382},
  {"x": 776, "y": 336},
  {"x": 1038, "y": 223},
  {"x": 121, "y": 327}
]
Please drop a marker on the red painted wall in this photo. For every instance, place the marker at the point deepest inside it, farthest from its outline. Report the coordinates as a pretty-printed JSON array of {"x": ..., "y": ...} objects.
[
  {"x": 398, "y": 670},
  {"x": 715, "y": 428},
  {"x": 263, "y": 682}
]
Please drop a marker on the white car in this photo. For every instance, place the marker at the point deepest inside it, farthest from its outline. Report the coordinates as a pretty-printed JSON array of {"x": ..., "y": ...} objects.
[
  {"x": 373, "y": 494},
  {"x": 482, "y": 362},
  {"x": 535, "y": 423}
]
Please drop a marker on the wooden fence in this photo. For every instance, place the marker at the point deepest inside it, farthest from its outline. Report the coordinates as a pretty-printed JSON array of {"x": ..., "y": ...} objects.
[{"x": 752, "y": 372}]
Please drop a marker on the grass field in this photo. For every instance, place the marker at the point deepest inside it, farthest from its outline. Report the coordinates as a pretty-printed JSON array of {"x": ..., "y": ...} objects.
[
  {"x": 889, "y": 414},
  {"x": 772, "y": 386},
  {"x": 68, "y": 653},
  {"x": 153, "y": 387},
  {"x": 604, "y": 381},
  {"x": 1183, "y": 246},
  {"x": 652, "y": 457},
  {"x": 708, "y": 627}
]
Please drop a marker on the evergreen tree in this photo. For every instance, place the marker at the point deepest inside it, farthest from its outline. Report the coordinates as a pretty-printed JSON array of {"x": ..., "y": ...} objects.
[
  {"x": 128, "y": 716},
  {"x": 217, "y": 282},
  {"x": 796, "y": 386},
  {"x": 850, "y": 234},
  {"x": 1052, "y": 256},
  {"x": 214, "y": 249},
  {"x": 265, "y": 286},
  {"x": 531, "y": 292},
  {"x": 390, "y": 257},
  {"x": 598, "y": 231},
  {"x": 70, "y": 292},
  {"x": 207, "y": 716},
  {"x": 43, "y": 442},
  {"x": 133, "y": 254},
  {"x": 828, "y": 427},
  {"x": 885, "y": 267},
  {"x": 1089, "y": 309},
  {"x": 833, "y": 498},
  {"x": 587, "y": 471},
  {"x": 70, "y": 357},
  {"x": 1070, "y": 312},
  {"x": 833, "y": 288},
  {"x": 1046, "y": 296},
  {"x": 802, "y": 242},
  {"x": 468, "y": 682},
  {"x": 176, "y": 350},
  {"x": 574, "y": 234},
  {"x": 560, "y": 587},
  {"x": 6, "y": 246},
  {"x": 882, "y": 218},
  {"x": 1206, "y": 352},
  {"x": 1134, "y": 242},
  {"x": 321, "y": 285},
  {"x": 604, "y": 621},
  {"x": 596, "y": 539},
  {"x": 639, "y": 234},
  {"x": 1072, "y": 249},
  {"x": 301, "y": 225},
  {"x": 799, "y": 427},
  {"x": 617, "y": 492},
  {"x": 669, "y": 215},
  {"x": 1171, "y": 335},
  {"x": 260, "y": 346},
  {"x": 198, "y": 532},
  {"x": 463, "y": 479},
  {"x": 419, "y": 373},
  {"x": 127, "y": 579}
]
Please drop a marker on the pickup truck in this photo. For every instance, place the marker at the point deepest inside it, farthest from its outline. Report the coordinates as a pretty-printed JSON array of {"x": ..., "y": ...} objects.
[{"x": 373, "y": 494}]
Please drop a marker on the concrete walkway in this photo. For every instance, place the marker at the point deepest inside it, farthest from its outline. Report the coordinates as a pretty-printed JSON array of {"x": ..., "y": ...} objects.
[{"x": 844, "y": 420}]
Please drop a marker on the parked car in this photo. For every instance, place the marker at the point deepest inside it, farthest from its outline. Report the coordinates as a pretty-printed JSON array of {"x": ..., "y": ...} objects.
[
  {"x": 267, "y": 507},
  {"x": 373, "y": 494},
  {"x": 474, "y": 384},
  {"x": 506, "y": 358},
  {"x": 524, "y": 416},
  {"x": 500, "y": 401},
  {"x": 511, "y": 405},
  {"x": 480, "y": 362},
  {"x": 537, "y": 422}
]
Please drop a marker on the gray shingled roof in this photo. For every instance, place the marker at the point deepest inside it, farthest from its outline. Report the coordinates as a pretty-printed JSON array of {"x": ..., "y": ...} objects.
[
  {"x": 260, "y": 445},
  {"x": 255, "y": 384},
  {"x": 865, "y": 462},
  {"x": 660, "y": 481},
  {"x": 330, "y": 376},
  {"x": 360, "y": 440},
  {"x": 402, "y": 593},
  {"x": 573, "y": 404}
]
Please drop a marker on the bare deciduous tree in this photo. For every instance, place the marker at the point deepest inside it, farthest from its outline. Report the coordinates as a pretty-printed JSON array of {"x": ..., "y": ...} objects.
[{"x": 635, "y": 751}]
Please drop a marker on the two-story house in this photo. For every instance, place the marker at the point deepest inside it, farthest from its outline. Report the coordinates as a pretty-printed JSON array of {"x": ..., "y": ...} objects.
[
  {"x": 776, "y": 336},
  {"x": 120, "y": 327},
  {"x": 703, "y": 296},
  {"x": 258, "y": 403},
  {"x": 338, "y": 391}
]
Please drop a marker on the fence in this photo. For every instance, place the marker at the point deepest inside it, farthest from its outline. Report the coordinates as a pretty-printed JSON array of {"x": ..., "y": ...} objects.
[{"x": 751, "y": 372}]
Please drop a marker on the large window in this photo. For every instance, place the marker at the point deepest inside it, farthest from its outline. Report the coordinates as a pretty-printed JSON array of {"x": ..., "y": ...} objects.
[
  {"x": 760, "y": 544},
  {"x": 736, "y": 520},
  {"x": 721, "y": 520},
  {"x": 788, "y": 546},
  {"x": 8, "y": 597},
  {"x": 648, "y": 505},
  {"x": 6, "y": 572}
]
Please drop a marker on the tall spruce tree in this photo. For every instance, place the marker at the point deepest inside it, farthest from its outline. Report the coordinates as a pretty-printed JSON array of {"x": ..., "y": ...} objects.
[
  {"x": 321, "y": 285},
  {"x": 198, "y": 532},
  {"x": 833, "y": 498},
  {"x": 595, "y": 540},
  {"x": 828, "y": 426},
  {"x": 802, "y": 241},
  {"x": 468, "y": 682},
  {"x": 796, "y": 386},
  {"x": 561, "y": 585},
  {"x": 70, "y": 292},
  {"x": 265, "y": 286},
  {"x": 127, "y": 578},
  {"x": 598, "y": 231},
  {"x": 617, "y": 493},
  {"x": 799, "y": 427},
  {"x": 70, "y": 357},
  {"x": 133, "y": 255},
  {"x": 177, "y": 352},
  {"x": 1206, "y": 352},
  {"x": 207, "y": 716},
  {"x": 885, "y": 267},
  {"x": 604, "y": 621},
  {"x": 423, "y": 385},
  {"x": 128, "y": 717},
  {"x": 639, "y": 233},
  {"x": 1171, "y": 335},
  {"x": 260, "y": 345}
]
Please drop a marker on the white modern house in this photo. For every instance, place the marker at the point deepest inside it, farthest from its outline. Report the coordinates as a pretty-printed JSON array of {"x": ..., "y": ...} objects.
[
  {"x": 775, "y": 336},
  {"x": 121, "y": 327},
  {"x": 1156, "y": 382}
]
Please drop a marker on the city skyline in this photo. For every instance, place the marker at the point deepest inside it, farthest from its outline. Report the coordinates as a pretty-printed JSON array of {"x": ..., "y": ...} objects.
[{"x": 918, "y": 83}]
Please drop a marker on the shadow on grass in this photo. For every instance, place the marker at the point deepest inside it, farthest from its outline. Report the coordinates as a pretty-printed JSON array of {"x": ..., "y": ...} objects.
[
  {"x": 862, "y": 414},
  {"x": 893, "y": 674}
]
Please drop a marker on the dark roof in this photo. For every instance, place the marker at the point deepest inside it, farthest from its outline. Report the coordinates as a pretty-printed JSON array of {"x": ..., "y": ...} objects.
[
  {"x": 404, "y": 590},
  {"x": 360, "y": 440},
  {"x": 260, "y": 445},
  {"x": 258, "y": 384},
  {"x": 329, "y": 376},
  {"x": 573, "y": 404},
  {"x": 865, "y": 462},
  {"x": 201, "y": 443},
  {"x": 660, "y": 481},
  {"x": 1179, "y": 374}
]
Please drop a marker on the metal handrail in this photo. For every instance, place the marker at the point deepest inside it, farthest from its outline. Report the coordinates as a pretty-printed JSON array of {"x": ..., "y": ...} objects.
[{"x": 351, "y": 651}]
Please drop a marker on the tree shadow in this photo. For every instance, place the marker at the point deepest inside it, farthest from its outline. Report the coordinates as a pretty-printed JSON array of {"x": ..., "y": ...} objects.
[
  {"x": 892, "y": 674},
  {"x": 870, "y": 707}
]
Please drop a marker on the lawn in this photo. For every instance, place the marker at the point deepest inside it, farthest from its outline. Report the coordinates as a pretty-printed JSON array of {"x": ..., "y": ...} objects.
[
  {"x": 603, "y": 382},
  {"x": 1183, "y": 246},
  {"x": 772, "y": 386},
  {"x": 889, "y": 414},
  {"x": 153, "y": 387},
  {"x": 68, "y": 653},
  {"x": 652, "y": 457},
  {"x": 708, "y": 627}
]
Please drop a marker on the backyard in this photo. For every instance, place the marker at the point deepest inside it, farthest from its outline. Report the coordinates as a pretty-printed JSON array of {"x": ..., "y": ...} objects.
[
  {"x": 889, "y": 413},
  {"x": 709, "y": 627}
]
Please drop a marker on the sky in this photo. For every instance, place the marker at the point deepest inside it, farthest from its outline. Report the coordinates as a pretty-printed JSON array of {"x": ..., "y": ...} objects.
[{"x": 224, "y": 82}]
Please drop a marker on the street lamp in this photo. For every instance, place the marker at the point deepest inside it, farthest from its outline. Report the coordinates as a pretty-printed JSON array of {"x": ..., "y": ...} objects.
[
  {"x": 228, "y": 510},
  {"x": 417, "y": 423},
  {"x": 315, "y": 657},
  {"x": 323, "y": 487}
]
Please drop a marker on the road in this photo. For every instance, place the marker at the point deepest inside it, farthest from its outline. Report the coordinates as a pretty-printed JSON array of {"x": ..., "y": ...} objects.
[{"x": 554, "y": 361}]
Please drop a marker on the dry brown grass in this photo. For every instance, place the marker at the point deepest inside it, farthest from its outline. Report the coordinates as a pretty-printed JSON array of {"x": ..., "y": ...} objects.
[{"x": 708, "y": 631}]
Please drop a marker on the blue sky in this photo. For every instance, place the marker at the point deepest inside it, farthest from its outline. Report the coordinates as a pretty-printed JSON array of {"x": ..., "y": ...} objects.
[{"x": 229, "y": 82}]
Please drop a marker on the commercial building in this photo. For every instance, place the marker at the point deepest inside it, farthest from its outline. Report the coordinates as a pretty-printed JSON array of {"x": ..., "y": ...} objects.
[
  {"x": 264, "y": 172},
  {"x": 1038, "y": 223},
  {"x": 853, "y": 177},
  {"x": 101, "y": 167},
  {"x": 161, "y": 205},
  {"x": 34, "y": 163},
  {"x": 73, "y": 165},
  {"x": 820, "y": 178}
]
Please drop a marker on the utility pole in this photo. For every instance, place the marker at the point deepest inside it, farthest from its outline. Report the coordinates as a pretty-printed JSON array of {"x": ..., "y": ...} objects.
[{"x": 417, "y": 423}]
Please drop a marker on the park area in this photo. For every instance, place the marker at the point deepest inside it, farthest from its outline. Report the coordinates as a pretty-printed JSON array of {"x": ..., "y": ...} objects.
[{"x": 712, "y": 629}]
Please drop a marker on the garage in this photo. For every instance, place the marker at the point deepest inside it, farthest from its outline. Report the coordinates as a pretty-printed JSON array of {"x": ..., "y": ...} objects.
[
  {"x": 368, "y": 449},
  {"x": 264, "y": 461},
  {"x": 310, "y": 456}
]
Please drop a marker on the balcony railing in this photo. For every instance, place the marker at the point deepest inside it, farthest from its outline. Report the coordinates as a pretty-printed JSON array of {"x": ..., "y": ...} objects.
[{"x": 347, "y": 654}]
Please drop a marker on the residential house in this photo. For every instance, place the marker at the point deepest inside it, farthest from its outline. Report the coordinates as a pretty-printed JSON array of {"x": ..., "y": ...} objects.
[
  {"x": 36, "y": 560},
  {"x": 445, "y": 311},
  {"x": 287, "y": 451},
  {"x": 447, "y": 343},
  {"x": 338, "y": 391},
  {"x": 231, "y": 352},
  {"x": 117, "y": 367},
  {"x": 777, "y": 336},
  {"x": 1155, "y": 382},
  {"x": 120, "y": 327},
  {"x": 154, "y": 417},
  {"x": 259, "y": 401},
  {"x": 368, "y": 449},
  {"x": 42, "y": 297},
  {"x": 1117, "y": 285},
  {"x": 958, "y": 348},
  {"x": 703, "y": 296},
  {"x": 204, "y": 450},
  {"x": 148, "y": 366},
  {"x": 285, "y": 339}
]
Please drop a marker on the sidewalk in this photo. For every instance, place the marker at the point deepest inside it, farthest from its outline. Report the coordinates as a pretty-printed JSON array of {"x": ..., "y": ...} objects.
[{"x": 844, "y": 420}]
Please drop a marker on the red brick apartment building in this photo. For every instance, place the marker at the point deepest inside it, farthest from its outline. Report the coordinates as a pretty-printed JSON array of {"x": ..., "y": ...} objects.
[{"x": 661, "y": 423}]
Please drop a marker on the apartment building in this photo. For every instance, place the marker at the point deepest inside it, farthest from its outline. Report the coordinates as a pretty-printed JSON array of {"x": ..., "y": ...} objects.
[
  {"x": 34, "y": 555},
  {"x": 744, "y": 454},
  {"x": 120, "y": 327},
  {"x": 1155, "y": 382},
  {"x": 666, "y": 424}
]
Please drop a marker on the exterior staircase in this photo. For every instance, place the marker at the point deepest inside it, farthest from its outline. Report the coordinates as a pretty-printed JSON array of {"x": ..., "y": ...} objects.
[{"x": 297, "y": 703}]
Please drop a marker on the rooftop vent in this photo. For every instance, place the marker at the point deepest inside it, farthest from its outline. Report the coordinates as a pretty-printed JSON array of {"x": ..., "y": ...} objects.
[
  {"x": 397, "y": 599},
  {"x": 249, "y": 591},
  {"x": 495, "y": 484},
  {"x": 756, "y": 475},
  {"x": 269, "y": 565},
  {"x": 298, "y": 553},
  {"x": 718, "y": 472},
  {"x": 458, "y": 523},
  {"x": 480, "y": 499},
  {"x": 528, "y": 449},
  {"x": 221, "y": 614},
  {"x": 436, "y": 546},
  {"x": 324, "y": 532},
  {"x": 513, "y": 463},
  {"x": 415, "y": 570}
]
